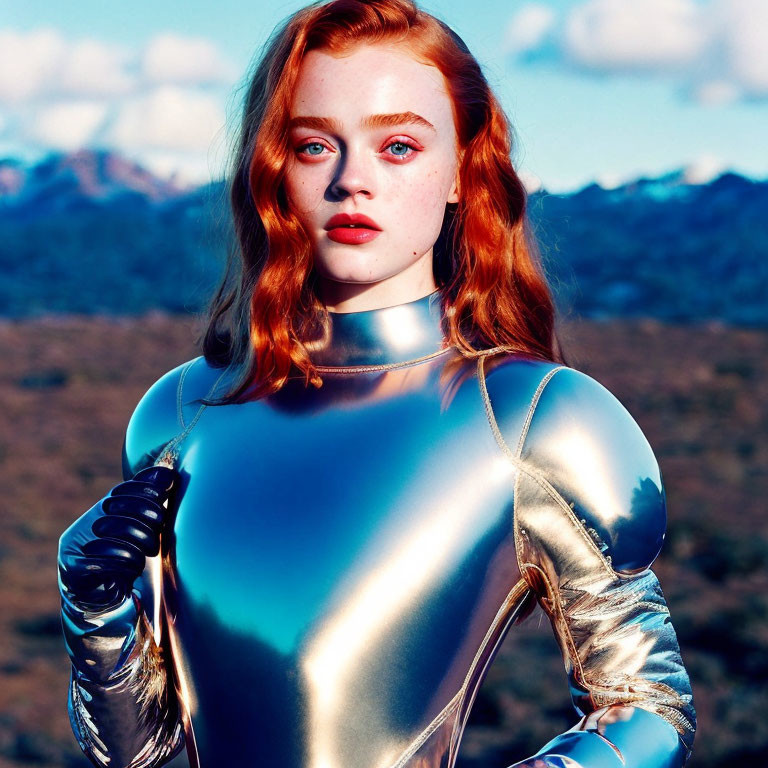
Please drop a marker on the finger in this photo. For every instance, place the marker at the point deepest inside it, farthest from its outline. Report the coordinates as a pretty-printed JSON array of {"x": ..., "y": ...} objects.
[
  {"x": 163, "y": 478},
  {"x": 113, "y": 555},
  {"x": 93, "y": 568},
  {"x": 148, "y": 512},
  {"x": 128, "y": 530},
  {"x": 141, "y": 490}
]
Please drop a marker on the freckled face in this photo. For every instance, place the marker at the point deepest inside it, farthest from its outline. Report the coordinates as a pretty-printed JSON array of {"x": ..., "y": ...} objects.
[{"x": 400, "y": 175}]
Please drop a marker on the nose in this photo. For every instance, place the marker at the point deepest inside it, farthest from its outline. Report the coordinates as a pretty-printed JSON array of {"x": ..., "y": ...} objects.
[{"x": 353, "y": 175}]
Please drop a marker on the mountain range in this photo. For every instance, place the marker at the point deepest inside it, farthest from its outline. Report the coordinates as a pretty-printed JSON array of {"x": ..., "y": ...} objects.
[{"x": 92, "y": 232}]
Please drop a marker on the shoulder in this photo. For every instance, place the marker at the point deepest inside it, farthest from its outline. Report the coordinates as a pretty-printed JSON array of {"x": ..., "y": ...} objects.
[
  {"x": 165, "y": 410},
  {"x": 583, "y": 441}
]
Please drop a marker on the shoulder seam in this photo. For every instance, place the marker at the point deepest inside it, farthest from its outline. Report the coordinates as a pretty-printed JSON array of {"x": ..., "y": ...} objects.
[
  {"x": 170, "y": 452},
  {"x": 532, "y": 407},
  {"x": 179, "y": 388},
  {"x": 531, "y": 472}
]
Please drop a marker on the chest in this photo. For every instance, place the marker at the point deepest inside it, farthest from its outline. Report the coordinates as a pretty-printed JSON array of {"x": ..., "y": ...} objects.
[{"x": 295, "y": 513}]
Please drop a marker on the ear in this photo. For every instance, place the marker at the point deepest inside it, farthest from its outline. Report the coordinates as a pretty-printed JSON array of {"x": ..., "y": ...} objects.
[{"x": 454, "y": 194}]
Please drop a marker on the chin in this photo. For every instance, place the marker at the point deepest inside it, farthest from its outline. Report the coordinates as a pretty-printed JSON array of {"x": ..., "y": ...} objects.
[
  {"x": 354, "y": 279},
  {"x": 354, "y": 269}
]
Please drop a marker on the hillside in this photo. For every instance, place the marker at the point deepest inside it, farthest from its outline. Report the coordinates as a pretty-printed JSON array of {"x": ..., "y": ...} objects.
[{"x": 93, "y": 233}]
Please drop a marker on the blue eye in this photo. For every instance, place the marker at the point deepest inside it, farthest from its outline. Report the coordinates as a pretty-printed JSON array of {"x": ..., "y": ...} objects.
[
  {"x": 312, "y": 144},
  {"x": 404, "y": 145}
]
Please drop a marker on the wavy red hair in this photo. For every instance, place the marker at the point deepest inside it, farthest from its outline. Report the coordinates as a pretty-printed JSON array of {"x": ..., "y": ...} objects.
[{"x": 486, "y": 261}]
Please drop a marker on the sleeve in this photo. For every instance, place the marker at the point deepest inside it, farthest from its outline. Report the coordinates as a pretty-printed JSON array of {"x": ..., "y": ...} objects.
[
  {"x": 122, "y": 705},
  {"x": 590, "y": 518}
]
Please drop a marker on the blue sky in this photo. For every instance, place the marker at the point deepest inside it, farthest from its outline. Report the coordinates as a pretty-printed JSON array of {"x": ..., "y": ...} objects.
[{"x": 602, "y": 90}]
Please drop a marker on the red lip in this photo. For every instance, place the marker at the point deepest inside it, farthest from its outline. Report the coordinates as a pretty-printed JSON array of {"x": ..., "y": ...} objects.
[{"x": 340, "y": 219}]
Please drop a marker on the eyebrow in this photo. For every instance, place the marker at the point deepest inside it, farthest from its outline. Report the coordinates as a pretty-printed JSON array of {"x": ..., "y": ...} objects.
[{"x": 331, "y": 125}]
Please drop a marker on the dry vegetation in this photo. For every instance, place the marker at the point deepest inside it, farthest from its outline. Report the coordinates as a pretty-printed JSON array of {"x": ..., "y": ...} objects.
[{"x": 69, "y": 385}]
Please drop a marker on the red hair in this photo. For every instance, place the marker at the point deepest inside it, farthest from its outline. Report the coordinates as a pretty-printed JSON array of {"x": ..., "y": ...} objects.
[{"x": 486, "y": 261}]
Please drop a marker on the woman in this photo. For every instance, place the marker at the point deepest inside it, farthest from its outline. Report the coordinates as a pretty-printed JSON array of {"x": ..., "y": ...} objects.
[{"x": 380, "y": 462}]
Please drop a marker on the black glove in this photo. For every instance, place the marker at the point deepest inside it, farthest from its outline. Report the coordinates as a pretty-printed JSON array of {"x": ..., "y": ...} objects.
[{"x": 104, "y": 551}]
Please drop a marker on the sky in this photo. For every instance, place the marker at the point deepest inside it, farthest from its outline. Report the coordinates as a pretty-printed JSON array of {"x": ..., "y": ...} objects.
[{"x": 596, "y": 90}]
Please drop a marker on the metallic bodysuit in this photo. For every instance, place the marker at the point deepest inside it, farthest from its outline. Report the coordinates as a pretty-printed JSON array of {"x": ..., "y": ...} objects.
[{"x": 344, "y": 563}]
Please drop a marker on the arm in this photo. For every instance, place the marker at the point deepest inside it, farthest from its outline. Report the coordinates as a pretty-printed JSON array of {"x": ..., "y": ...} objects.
[
  {"x": 122, "y": 710},
  {"x": 590, "y": 517},
  {"x": 121, "y": 703}
]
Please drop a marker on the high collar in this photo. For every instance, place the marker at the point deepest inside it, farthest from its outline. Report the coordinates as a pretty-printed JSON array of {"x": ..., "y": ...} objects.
[{"x": 396, "y": 334}]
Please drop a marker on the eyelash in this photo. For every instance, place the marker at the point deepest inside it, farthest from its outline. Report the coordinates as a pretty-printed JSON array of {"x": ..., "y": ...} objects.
[{"x": 404, "y": 143}]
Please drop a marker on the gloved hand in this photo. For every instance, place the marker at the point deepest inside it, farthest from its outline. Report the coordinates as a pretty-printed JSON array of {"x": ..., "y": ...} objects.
[{"x": 104, "y": 551}]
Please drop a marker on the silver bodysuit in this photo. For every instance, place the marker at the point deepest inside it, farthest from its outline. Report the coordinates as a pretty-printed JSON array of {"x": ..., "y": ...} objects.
[{"x": 344, "y": 562}]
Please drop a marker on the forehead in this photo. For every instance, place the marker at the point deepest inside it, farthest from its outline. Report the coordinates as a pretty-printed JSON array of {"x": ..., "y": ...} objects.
[{"x": 371, "y": 79}]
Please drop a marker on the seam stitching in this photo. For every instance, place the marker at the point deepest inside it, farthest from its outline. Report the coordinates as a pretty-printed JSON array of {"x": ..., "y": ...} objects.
[
  {"x": 520, "y": 588},
  {"x": 532, "y": 407},
  {"x": 497, "y": 619},
  {"x": 179, "y": 388},
  {"x": 557, "y": 608},
  {"x": 459, "y": 695},
  {"x": 381, "y": 366},
  {"x": 170, "y": 452},
  {"x": 406, "y": 363},
  {"x": 428, "y": 731},
  {"x": 516, "y": 528}
]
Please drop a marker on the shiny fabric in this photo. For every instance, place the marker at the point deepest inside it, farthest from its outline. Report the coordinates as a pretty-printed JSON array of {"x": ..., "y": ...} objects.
[{"x": 344, "y": 563}]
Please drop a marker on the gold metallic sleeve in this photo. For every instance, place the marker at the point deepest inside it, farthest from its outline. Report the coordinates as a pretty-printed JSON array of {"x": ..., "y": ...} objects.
[{"x": 590, "y": 517}]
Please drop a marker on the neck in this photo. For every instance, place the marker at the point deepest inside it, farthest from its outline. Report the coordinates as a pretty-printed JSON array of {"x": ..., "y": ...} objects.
[
  {"x": 413, "y": 282},
  {"x": 396, "y": 334}
]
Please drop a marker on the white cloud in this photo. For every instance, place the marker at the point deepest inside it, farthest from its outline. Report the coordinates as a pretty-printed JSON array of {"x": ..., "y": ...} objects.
[
  {"x": 168, "y": 118},
  {"x": 528, "y": 28},
  {"x": 171, "y": 58},
  {"x": 742, "y": 26},
  {"x": 632, "y": 35},
  {"x": 28, "y": 62},
  {"x": 91, "y": 68},
  {"x": 42, "y": 64},
  {"x": 715, "y": 49},
  {"x": 66, "y": 126}
]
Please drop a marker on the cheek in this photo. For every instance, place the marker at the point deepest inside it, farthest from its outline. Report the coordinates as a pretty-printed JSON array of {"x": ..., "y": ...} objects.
[
  {"x": 304, "y": 189},
  {"x": 422, "y": 198}
]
